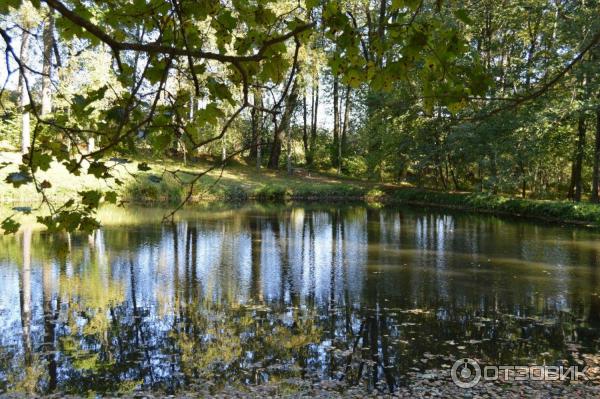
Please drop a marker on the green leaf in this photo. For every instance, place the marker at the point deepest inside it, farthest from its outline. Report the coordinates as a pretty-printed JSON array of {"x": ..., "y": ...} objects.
[
  {"x": 310, "y": 4},
  {"x": 99, "y": 170},
  {"x": 80, "y": 102},
  {"x": 156, "y": 71},
  {"x": 413, "y": 4},
  {"x": 162, "y": 141},
  {"x": 90, "y": 198},
  {"x": 39, "y": 160},
  {"x": 227, "y": 20},
  {"x": 110, "y": 197},
  {"x": 6, "y": 4},
  {"x": 73, "y": 167},
  {"x": 463, "y": 16},
  {"x": 219, "y": 91},
  {"x": 10, "y": 226},
  {"x": 88, "y": 224},
  {"x": 210, "y": 114}
]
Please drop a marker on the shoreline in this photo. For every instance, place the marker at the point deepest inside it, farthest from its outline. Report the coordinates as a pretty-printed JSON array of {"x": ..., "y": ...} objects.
[{"x": 575, "y": 214}]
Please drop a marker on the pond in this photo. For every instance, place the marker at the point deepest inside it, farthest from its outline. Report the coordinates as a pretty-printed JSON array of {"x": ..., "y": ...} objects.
[{"x": 256, "y": 295}]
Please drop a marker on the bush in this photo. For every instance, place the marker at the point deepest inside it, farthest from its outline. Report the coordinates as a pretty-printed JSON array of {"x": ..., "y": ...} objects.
[
  {"x": 273, "y": 193},
  {"x": 234, "y": 193},
  {"x": 151, "y": 188},
  {"x": 356, "y": 166}
]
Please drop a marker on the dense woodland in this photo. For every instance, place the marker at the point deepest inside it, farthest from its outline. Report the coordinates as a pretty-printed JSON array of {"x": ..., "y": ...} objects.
[{"x": 494, "y": 96}]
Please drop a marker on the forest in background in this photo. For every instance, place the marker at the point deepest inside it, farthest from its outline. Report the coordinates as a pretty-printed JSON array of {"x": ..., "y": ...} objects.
[{"x": 491, "y": 96}]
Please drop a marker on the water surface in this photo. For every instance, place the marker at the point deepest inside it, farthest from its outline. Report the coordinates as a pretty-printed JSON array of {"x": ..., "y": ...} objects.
[{"x": 255, "y": 295}]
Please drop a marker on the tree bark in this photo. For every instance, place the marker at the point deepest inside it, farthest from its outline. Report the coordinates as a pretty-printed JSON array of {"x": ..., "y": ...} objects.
[
  {"x": 344, "y": 139},
  {"x": 314, "y": 117},
  {"x": 336, "y": 123},
  {"x": 256, "y": 116},
  {"x": 284, "y": 124},
  {"x": 223, "y": 149},
  {"x": 575, "y": 188},
  {"x": 48, "y": 37},
  {"x": 596, "y": 171},
  {"x": 288, "y": 134},
  {"x": 25, "y": 100},
  {"x": 381, "y": 28},
  {"x": 305, "y": 127},
  {"x": 91, "y": 144}
]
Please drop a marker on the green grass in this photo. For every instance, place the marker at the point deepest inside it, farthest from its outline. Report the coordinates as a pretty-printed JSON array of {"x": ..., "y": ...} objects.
[
  {"x": 236, "y": 183},
  {"x": 239, "y": 183}
]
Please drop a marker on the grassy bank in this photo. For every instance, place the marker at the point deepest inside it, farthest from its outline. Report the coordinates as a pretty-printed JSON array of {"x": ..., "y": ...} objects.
[
  {"x": 239, "y": 182},
  {"x": 553, "y": 211}
]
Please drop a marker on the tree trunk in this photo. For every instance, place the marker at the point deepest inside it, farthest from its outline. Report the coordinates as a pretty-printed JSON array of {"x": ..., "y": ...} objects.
[
  {"x": 381, "y": 28},
  {"x": 284, "y": 124},
  {"x": 258, "y": 153},
  {"x": 288, "y": 134},
  {"x": 454, "y": 179},
  {"x": 47, "y": 65},
  {"x": 223, "y": 149},
  {"x": 596, "y": 172},
  {"x": 304, "y": 127},
  {"x": 256, "y": 116},
  {"x": 25, "y": 100},
  {"x": 314, "y": 117},
  {"x": 575, "y": 188},
  {"x": 276, "y": 146},
  {"x": 346, "y": 121},
  {"x": 336, "y": 123},
  {"x": 91, "y": 145},
  {"x": 494, "y": 171}
]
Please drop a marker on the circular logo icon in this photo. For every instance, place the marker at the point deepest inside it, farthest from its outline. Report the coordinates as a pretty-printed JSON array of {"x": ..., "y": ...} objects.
[{"x": 466, "y": 373}]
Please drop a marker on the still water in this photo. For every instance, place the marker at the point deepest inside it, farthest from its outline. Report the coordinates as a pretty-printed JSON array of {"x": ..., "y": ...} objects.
[{"x": 255, "y": 295}]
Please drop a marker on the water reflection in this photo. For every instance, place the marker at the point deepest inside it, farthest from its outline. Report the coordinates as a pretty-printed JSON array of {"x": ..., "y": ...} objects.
[{"x": 258, "y": 295}]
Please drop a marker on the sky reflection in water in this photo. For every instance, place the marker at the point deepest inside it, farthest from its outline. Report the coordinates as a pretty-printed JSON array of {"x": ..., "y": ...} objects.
[{"x": 254, "y": 295}]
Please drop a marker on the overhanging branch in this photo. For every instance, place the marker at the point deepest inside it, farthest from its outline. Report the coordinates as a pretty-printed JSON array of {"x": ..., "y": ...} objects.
[{"x": 157, "y": 48}]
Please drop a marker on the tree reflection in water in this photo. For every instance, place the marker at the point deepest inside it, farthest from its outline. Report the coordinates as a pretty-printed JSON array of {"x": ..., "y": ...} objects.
[{"x": 256, "y": 295}]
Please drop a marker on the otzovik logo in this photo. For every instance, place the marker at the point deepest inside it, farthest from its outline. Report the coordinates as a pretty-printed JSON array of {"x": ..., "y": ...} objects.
[{"x": 466, "y": 373}]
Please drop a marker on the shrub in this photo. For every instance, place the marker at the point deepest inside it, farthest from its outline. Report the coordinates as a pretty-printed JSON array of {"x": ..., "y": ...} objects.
[{"x": 151, "y": 188}]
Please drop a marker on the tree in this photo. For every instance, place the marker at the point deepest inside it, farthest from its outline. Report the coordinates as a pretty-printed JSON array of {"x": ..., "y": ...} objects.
[
  {"x": 27, "y": 20},
  {"x": 218, "y": 54},
  {"x": 283, "y": 126},
  {"x": 48, "y": 36}
]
